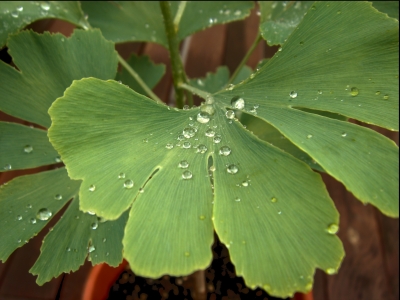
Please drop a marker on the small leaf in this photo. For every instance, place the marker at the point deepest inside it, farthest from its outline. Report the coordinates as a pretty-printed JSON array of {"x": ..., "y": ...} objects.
[
  {"x": 27, "y": 203},
  {"x": 22, "y": 147},
  {"x": 76, "y": 236},
  {"x": 149, "y": 72},
  {"x": 15, "y": 15},
  {"x": 48, "y": 64},
  {"x": 280, "y": 18}
]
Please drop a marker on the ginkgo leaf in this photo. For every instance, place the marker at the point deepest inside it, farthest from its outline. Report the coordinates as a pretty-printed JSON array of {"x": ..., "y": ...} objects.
[
  {"x": 149, "y": 72},
  {"x": 22, "y": 147},
  {"x": 280, "y": 18},
  {"x": 143, "y": 21},
  {"x": 361, "y": 83},
  {"x": 160, "y": 167},
  {"x": 388, "y": 7},
  {"x": 84, "y": 235},
  {"x": 15, "y": 15},
  {"x": 47, "y": 64},
  {"x": 27, "y": 203}
]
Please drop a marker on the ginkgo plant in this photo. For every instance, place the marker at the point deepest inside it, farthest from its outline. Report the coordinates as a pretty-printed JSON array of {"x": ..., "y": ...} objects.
[{"x": 151, "y": 183}]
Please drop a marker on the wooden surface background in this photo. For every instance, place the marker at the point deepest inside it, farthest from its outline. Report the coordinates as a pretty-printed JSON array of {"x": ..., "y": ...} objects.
[{"x": 370, "y": 269}]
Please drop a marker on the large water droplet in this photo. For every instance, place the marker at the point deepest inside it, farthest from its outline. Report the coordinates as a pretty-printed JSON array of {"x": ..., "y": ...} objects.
[
  {"x": 225, "y": 151},
  {"x": 91, "y": 248},
  {"x": 28, "y": 149},
  {"x": 58, "y": 197},
  {"x": 189, "y": 132},
  {"x": 230, "y": 114},
  {"x": 14, "y": 14},
  {"x": 293, "y": 94},
  {"x": 354, "y": 91},
  {"x": 207, "y": 108},
  {"x": 94, "y": 225},
  {"x": 183, "y": 164},
  {"x": 92, "y": 188},
  {"x": 20, "y": 8},
  {"x": 186, "y": 145},
  {"x": 187, "y": 175},
  {"x": 217, "y": 139},
  {"x": 344, "y": 134},
  {"x": 128, "y": 184},
  {"x": 237, "y": 102},
  {"x": 7, "y": 167},
  {"x": 333, "y": 228},
  {"x": 245, "y": 183},
  {"x": 203, "y": 117},
  {"x": 202, "y": 149},
  {"x": 232, "y": 169},
  {"x": 44, "y": 214},
  {"x": 210, "y": 132}
]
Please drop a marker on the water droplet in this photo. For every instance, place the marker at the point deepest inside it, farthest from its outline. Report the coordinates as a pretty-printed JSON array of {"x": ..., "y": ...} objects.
[
  {"x": 344, "y": 134},
  {"x": 92, "y": 188},
  {"x": 245, "y": 183},
  {"x": 145, "y": 140},
  {"x": 128, "y": 184},
  {"x": 104, "y": 240},
  {"x": 187, "y": 175},
  {"x": 203, "y": 117},
  {"x": 19, "y": 241},
  {"x": 237, "y": 102},
  {"x": 186, "y": 145},
  {"x": 19, "y": 217},
  {"x": 208, "y": 109},
  {"x": 20, "y": 8},
  {"x": 121, "y": 175},
  {"x": 232, "y": 169},
  {"x": 293, "y": 94},
  {"x": 188, "y": 132},
  {"x": 202, "y": 217},
  {"x": 313, "y": 7},
  {"x": 57, "y": 159},
  {"x": 217, "y": 139},
  {"x": 225, "y": 151},
  {"x": 58, "y": 197},
  {"x": 210, "y": 132},
  {"x": 44, "y": 214},
  {"x": 279, "y": 212},
  {"x": 7, "y": 167},
  {"x": 28, "y": 149},
  {"x": 45, "y": 6},
  {"x": 386, "y": 97},
  {"x": 330, "y": 271},
  {"x": 186, "y": 107},
  {"x": 90, "y": 213},
  {"x": 237, "y": 199},
  {"x": 237, "y": 13},
  {"x": 94, "y": 225},
  {"x": 169, "y": 146},
  {"x": 309, "y": 136},
  {"x": 32, "y": 221},
  {"x": 202, "y": 149},
  {"x": 333, "y": 228},
  {"x": 354, "y": 91},
  {"x": 230, "y": 114},
  {"x": 301, "y": 43},
  {"x": 14, "y": 14},
  {"x": 183, "y": 164},
  {"x": 91, "y": 248},
  {"x": 212, "y": 168},
  {"x": 274, "y": 200}
]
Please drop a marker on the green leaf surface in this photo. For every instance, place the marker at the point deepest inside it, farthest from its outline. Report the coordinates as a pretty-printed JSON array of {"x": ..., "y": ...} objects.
[
  {"x": 27, "y": 203},
  {"x": 280, "y": 18},
  {"x": 150, "y": 73},
  {"x": 77, "y": 236},
  {"x": 122, "y": 21},
  {"x": 391, "y": 8},
  {"x": 48, "y": 64},
  {"x": 361, "y": 83},
  {"x": 22, "y": 147},
  {"x": 161, "y": 163},
  {"x": 15, "y": 15}
]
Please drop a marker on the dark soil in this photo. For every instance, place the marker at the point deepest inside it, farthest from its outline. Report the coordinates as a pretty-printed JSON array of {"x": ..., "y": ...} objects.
[{"x": 221, "y": 283}]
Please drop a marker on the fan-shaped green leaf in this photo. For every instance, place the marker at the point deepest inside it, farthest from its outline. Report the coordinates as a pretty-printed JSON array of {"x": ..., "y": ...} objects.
[
  {"x": 361, "y": 83},
  {"x": 48, "y": 64},
  {"x": 391, "y": 8},
  {"x": 143, "y": 21},
  {"x": 149, "y": 72},
  {"x": 28, "y": 202},
  {"x": 161, "y": 163},
  {"x": 22, "y": 147},
  {"x": 280, "y": 18},
  {"x": 82, "y": 235},
  {"x": 15, "y": 15}
]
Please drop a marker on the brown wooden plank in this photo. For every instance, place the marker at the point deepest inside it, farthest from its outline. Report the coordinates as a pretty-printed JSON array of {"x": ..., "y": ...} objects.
[{"x": 73, "y": 283}]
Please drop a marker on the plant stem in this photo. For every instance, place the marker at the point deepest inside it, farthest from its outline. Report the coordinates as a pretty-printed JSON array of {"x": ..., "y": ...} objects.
[
  {"x": 138, "y": 79},
  {"x": 178, "y": 75},
  {"x": 196, "y": 91},
  {"x": 245, "y": 58}
]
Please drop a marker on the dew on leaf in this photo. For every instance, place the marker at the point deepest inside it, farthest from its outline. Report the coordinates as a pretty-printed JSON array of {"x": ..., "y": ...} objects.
[
  {"x": 187, "y": 175},
  {"x": 210, "y": 132},
  {"x": 128, "y": 184},
  {"x": 94, "y": 225},
  {"x": 202, "y": 149},
  {"x": 169, "y": 146},
  {"x": 32, "y": 220},
  {"x": 245, "y": 183},
  {"x": 14, "y": 14},
  {"x": 183, "y": 164},
  {"x": 28, "y": 149},
  {"x": 104, "y": 240},
  {"x": 217, "y": 139},
  {"x": 7, "y": 167},
  {"x": 386, "y": 97},
  {"x": 309, "y": 136},
  {"x": 293, "y": 94},
  {"x": 330, "y": 271},
  {"x": 344, "y": 134},
  {"x": 333, "y": 228},
  {"x": 237, "y": 102},
  {"x": 377, "y": 93},
  {"x": 232, "y": 169},
  {"x": 230, "y": 114},
  {"x": 208, "y": 109},
  {"x": 121, "y": 175},
  {"x": 92, "y": 188},
  {"x": 225, "y": 151},
  {"x": 237, "y": 199},
  {"x": 186, "y": 107},
  {"x": 354, "y": 91},
  {"x": 212, "y": 168},
  {"x": 202, "y": 217},
  {"x": 45, "y": 6},
  {"x": 20, "y": 8},
  {"x": 91, "y": 248},
  {"x": 180, "y": 137},
  {"x": 19, "y": 217},
  {"x": 188, "y": 132},
  {"x": 44, "y": 214},
  {"x": 203, "y": 117},
  {"x": 57, "y": 159},
  {"x": 186, "y": 145},
  {"x": 274, "y": 200},
  {"x": 58, "y": 197}
]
